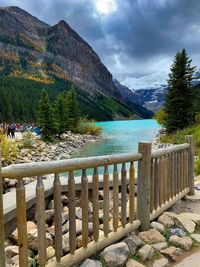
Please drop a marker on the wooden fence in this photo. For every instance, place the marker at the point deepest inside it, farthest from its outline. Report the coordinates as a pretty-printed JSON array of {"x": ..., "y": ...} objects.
[{"x": 163, "y": 177}]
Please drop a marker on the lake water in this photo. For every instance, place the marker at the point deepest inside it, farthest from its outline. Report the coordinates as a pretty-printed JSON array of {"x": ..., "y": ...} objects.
[{"x": 121, "y": 137}]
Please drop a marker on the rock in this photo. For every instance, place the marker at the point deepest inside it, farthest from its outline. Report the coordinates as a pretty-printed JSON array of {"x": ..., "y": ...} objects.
[
  {"x": 137, "y": 241},
  {"x": 163, "y": 262},
  {"x": 30, "y": 226},
  {"x": 50, "y": 252},
  {"x": 165, "y": 220},
  {"x": 183, "y": 242},
  {"x": 158, "y": 226},
  {"x": 50, "y": 261},
  {"x": 195, "y": 217},
  {"x": 48, "y": 216},
  {"x": 14, "y": 262},
  {"x": 196, "y": 237},
  {"x": 51, "y": 230},
  {"x": 78, "y": 226},
  {"x": 65, "y": 242},
  {"x": 146, "y": 252},
  {"x": 177, "y": 231},
  {"x": 133, "y": 263},
  {"x": 79, "y": 240},
  {"x": 64, "y": 200},
  {"x": 130, "y": 241},
  {"x": 32, "y": 238},
  {"x": 11, "y": 251},
  {"x": 51, "y": 205},
  {"x": 91, "y": 263},
  {"x": 151, "y": 236},
  {"x": 185, "y": 222},
  {"x": 115, "y": 255},
  {"x": 159, "y": 246},
  {"x": 79, "y": 213},
  {"x": 172, "y": 252}
]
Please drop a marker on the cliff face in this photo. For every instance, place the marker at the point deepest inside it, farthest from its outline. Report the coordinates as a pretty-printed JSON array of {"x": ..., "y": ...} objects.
[{"x": 35, "y": 48}]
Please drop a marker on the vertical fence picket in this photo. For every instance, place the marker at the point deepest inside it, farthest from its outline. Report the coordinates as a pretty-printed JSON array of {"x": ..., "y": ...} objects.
[
  {"x": 84, "y": 205},
  {"x": 189, "y": 139},
  {"x": 21, "y": 223},
  {"x": 57, "y": 217},
  {"x": 123, "y": 195},
  {"x": 2, "y": 254},
  {"x": 72, "y": 214},
  {"x": 115, "y": 198},
  {"x": 131, "y": 192},
  {"x": 161, "y": 165},
  {"x": 156, "y": 184},
  {"x": 40, "y": 206},
  {"x": 106, "y": 201},
  {"x": 152, "y": 185},
  {"x": 95, "y": 200}
]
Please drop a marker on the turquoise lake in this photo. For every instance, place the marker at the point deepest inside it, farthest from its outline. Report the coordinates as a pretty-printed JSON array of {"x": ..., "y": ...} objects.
[{"x": 121, "y": 137}]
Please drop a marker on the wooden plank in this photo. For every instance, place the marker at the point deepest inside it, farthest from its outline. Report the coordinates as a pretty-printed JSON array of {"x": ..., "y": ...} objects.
[
  {"x": 2, "y": 254},
  {"x": 115, "y": 198},
  {"x": 106, "y": 202},
  {"x": 152, "y": 181},
  {"x": 58, "y": 166},
  {"x": 95, "y": 199},
  {"x": 189, "y": 139},
  {"x": 143, "y": 193},
  {"x": 123, "y": 195},
  {"x": 72, "y": 214},
  {"x": 41, "y": 225},
  {"x": 165, "y": 151},
  {"x": 84, "y": 205},
  {"x": 58, "y": 217},
  {"x": 21, "y": 224},
  {"x": 131, "y": 192}
]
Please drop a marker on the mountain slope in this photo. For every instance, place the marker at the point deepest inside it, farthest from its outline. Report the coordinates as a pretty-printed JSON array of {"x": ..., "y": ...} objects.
[{"x": 34, "y": 50}]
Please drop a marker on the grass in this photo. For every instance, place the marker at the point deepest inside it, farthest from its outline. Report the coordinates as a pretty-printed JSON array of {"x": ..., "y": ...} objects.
[
  {"x": 166, "y": 234},
  {"x": 89, "y": 127}
]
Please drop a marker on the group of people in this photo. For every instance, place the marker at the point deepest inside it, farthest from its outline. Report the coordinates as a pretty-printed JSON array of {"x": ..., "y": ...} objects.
[{"x": 9, "y": 129}]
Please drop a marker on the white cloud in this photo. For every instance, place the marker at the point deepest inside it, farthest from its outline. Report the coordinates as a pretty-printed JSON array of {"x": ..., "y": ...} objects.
[{"x": 105, "y": 6}]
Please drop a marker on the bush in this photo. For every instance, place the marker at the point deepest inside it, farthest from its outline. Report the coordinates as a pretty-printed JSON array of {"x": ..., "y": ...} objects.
[
  {"x": 88, "y": 127},
  {"x": 8, "y": 149},
  {"x": 28, "y": 140}
]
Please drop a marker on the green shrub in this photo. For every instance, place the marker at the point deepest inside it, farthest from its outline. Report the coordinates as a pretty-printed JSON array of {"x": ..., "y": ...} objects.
[
  {"x": 8, "y": 149},
  {"x": 28, "y": 140},
  {"x": 88, "y": 127}
]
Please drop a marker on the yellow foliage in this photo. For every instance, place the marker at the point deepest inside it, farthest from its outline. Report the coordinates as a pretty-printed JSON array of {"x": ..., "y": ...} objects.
[{"x": 8, "y": 149}]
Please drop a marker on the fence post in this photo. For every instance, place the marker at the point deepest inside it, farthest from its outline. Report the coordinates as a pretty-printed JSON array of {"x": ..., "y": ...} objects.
[
  {"x": 190, "y": 140},
  {"x": 143, "y": 187},
  {"x": 2, "y": 254}
]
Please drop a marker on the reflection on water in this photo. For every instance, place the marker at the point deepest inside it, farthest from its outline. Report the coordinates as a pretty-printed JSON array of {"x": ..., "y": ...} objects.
[{"x": 120, "y": 137}]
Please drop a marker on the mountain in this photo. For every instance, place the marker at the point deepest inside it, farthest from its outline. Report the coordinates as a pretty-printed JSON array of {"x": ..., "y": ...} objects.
[
  {"x": 31, "y": 49},
  {"x": 151, "y": 99}
]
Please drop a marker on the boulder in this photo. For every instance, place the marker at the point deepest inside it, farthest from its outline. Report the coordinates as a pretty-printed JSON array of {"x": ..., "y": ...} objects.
[
  {"x": 32, "y": 238},
  {"x": 146, "y": 252},
  {"x": 65, "y": 242},
  {"x": 159, "y": 246},
  {"x": 172, "y": 252},
  {"x": 115, "y": 255},
  {"x": 166, "y": 220},
  {"x": 196, "y": 237},
  {"x": 51, "y": 205},
  {"x": 78, "y": 226},
  {"x": 177, "y": 231},
  {"x": 137, "y": 241},
  {"x": 133, "y": 263},
  {"x": 49, "y": 215},
  {"x": 30, "y": 226},
  {"x": 64, "y": 200},
  {"x": 183, "y": 221},
  {"x": 50, "y": 252},
  {"x": 14, "y": 262},
  {"x": 11, "y": 251},
  {"x": 91, "y": 263},
  {"x": 163, "y": 262},
  {"x": 183, "y": 242},
  {"x": 195, "y": 217},
  {"x": 151, "y": 236},
  {"x": 158, "y": 226}
]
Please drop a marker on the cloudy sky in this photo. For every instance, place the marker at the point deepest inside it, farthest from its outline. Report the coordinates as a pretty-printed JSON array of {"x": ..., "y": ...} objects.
[{"x": 136, "y": 39}]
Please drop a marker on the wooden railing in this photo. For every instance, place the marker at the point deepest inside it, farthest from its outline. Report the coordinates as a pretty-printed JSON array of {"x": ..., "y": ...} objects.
[{"x": 163, "y": 177}]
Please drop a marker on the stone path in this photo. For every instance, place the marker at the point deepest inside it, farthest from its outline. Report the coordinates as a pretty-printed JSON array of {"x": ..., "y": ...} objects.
[{"x": 191, "y": 261}]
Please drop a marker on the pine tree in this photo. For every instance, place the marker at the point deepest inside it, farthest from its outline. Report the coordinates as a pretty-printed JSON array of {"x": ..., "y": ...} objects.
[
  {"x": 61, "y": 114},
  {"x": 45, "y": 117},
  {"x": 180, "y": 99},
  {"x": 73, "y": 110}
]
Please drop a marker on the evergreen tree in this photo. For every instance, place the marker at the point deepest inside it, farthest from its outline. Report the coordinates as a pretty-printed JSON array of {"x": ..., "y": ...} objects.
[
  {"x": 46, "y": 117},
  {"x": 61, "y": 114},
  {"x": 73, "y": 110},
  {"x": 180, "y": 99}
]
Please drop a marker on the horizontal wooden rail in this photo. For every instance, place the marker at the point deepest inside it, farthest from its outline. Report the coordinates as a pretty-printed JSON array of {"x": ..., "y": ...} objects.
[
  {"x": 17, "y": 171},
  {"x": 168, "y": 150}
]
